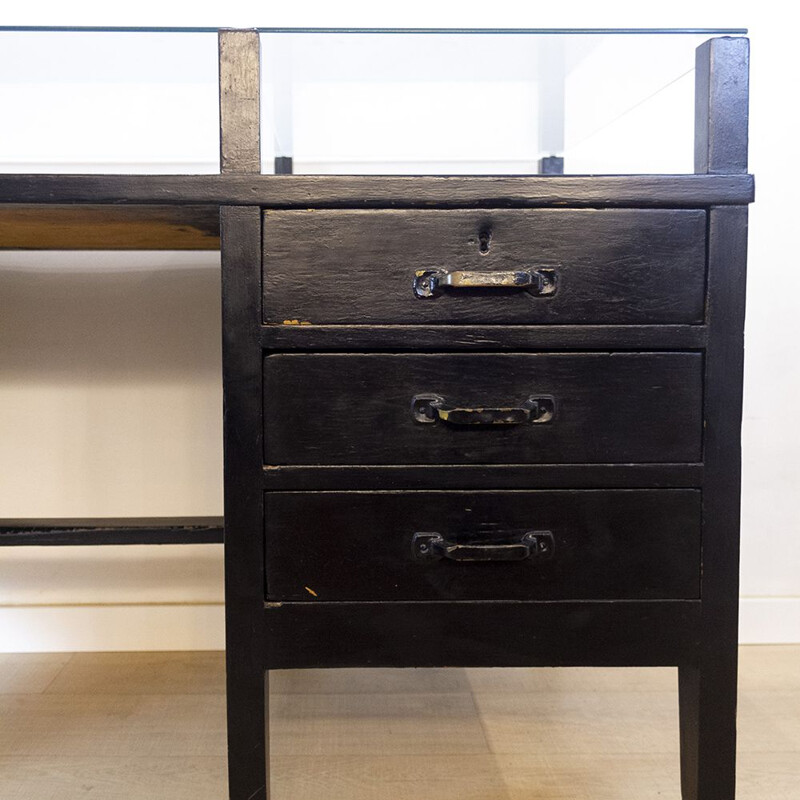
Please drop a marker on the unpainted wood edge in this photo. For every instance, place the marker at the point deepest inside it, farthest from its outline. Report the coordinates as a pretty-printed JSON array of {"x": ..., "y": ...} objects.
[{"x": 239, "y": 101}]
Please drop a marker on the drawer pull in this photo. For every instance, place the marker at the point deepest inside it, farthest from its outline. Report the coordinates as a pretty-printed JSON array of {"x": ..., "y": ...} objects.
[
  {"x": 431, "y": 282},
  {"x": 537, "y": 545},
  {"x": 432, "y": 407}
]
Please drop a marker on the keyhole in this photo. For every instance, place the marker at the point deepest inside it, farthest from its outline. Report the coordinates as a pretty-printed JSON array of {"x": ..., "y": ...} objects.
[{"x": 484, "y": 239}]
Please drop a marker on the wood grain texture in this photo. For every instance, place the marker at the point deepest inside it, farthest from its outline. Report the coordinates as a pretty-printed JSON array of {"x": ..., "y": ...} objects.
[
  {"x": 594, "y": 776},
  {"x": 611, "y": 266},
  {"x": 247, "y": 684},
  {"x": 131, "y": 530},
  {"x": 485, "y": 476},
  {"x": 244, "y": 547},
  {"x": 141, "y": 673},
  {"x": 394, "y": 776},
  {"x": 708, "y": 688},
  {"x": 369, "y": 191},
  {"x": 481, "y": 634},
  {"x": 722, "y": 105},
  {"x": 356, "y": 409},
  {"x": 581, "y": 734},
  {"x": 422, "y": 723},
  {"x": 481, "y": 337},
  {"x": 533, "y": 680},
  {"x": 599, "y": 722},
  {"x": 30, "y": 673},
  {"x": 239, "y": 101},
  {"x": 111, "y": 725},
  {"x": 123, "y": 777},
  {"x": 368, "y": 681},
  {"x": 632, "y": 545},
  {"x": 109, "y": 227}
]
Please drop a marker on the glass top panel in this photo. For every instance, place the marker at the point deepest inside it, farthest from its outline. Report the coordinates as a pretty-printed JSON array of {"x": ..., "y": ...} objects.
[
  {"x": 345, "y": 101},
  {"x": 81, "y": 102},
  {"x": 495, "y": 103}
]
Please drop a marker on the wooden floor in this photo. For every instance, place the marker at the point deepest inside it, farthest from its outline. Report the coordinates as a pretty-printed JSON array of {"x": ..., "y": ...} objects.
[{"x": 131, "y": 726}]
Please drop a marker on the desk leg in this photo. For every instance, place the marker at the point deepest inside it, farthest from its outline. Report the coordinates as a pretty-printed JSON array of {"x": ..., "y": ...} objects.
[
  {"x": 240, "y": 229},
  {"x": 248, "y": 734},
  {"x": 708, "y": 730}
]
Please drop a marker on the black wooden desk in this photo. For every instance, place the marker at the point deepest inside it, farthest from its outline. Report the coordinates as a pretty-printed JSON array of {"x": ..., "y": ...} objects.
[{"x": 487, "y": 421}]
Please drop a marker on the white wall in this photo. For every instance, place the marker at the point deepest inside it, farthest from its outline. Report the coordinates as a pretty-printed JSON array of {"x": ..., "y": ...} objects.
[{"x": 109, "y": 365}]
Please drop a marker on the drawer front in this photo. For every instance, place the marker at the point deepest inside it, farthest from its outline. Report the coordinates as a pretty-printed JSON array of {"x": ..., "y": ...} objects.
[
  {"x": 616, "y": 266},
  {"x": 491, "y": 408},
  {"x": 584, "y": 544}
]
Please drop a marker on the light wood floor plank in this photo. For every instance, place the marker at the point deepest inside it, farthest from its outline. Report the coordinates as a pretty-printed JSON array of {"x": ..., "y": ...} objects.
[
  {"x": 768, "y": 776},
  {"x": 592, "y": 777},
  {"x": 517, "y": 680},
  {"x": 142, "y": 673},
  {"x": 580, "y": 722},
  {"x": 769, "y": 722},
  {"x": 170, "y": 778},
  {"x": 369, "y": 681},
  {"x": 30, "y": 673},
  {"x": 459, "y": 777},
  {"x": 112, "y": 725},
  {"x": 148, "y": 725},
  {"x": 767, "y": 668},
  {"x": 370, "y": 724}
]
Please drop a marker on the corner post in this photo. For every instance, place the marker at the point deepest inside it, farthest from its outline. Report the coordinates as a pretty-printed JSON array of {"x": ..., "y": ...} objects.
[
  {"x": 239, "y": 101},
  {"x": 707, "y": 687},
  {"x": 721, "y": 101},
  {"x": 240, "y": 237}
]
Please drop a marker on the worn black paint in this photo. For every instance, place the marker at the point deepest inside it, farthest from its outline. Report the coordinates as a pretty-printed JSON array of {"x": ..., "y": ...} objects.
[
  {"x": 708, "y": 685},
  {"x": 609, "y": 545},
  {"x": 441, "y": 338},
  {"x": 482, "y": 634},
  {"x": 698, "y": 636},
  {"x": 611, "y": 266},
  {"x": 126, "y": 530},
  {"x": 484, "y": 476},
  {"x": 369, "y": 191},
  {"x": 240, "y": 235},
  {"x": 356, "y": 409}
]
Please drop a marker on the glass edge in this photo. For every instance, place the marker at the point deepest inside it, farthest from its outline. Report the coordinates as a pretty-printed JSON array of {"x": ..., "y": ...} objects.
[{"x": 451, "y": 31}]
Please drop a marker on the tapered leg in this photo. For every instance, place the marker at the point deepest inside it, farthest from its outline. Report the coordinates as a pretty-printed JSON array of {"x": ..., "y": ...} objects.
[
  {"x": 248, "y": 733},
  {"x": 708, "y": 729}
]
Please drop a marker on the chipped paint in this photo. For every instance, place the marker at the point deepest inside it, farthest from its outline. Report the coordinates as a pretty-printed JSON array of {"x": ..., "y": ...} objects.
[{"x": 311, "y": 591}]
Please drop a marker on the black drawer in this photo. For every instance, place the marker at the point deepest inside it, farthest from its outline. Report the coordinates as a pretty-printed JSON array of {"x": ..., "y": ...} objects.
[
  {"x": 621, "y": 266},
  {"x": 491, "y": 409},
  {"x": 583, "y": 544}
]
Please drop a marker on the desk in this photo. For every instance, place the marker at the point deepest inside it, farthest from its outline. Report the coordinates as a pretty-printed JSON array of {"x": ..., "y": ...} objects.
[{"x": 474, "y": 421}]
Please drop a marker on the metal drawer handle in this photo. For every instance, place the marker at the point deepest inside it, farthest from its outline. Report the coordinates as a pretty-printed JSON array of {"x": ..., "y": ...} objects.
[
  {"x": 429, "y": 408},
  {"x": 537, "y": 545},
  {"x": 431, "y": 282}
]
